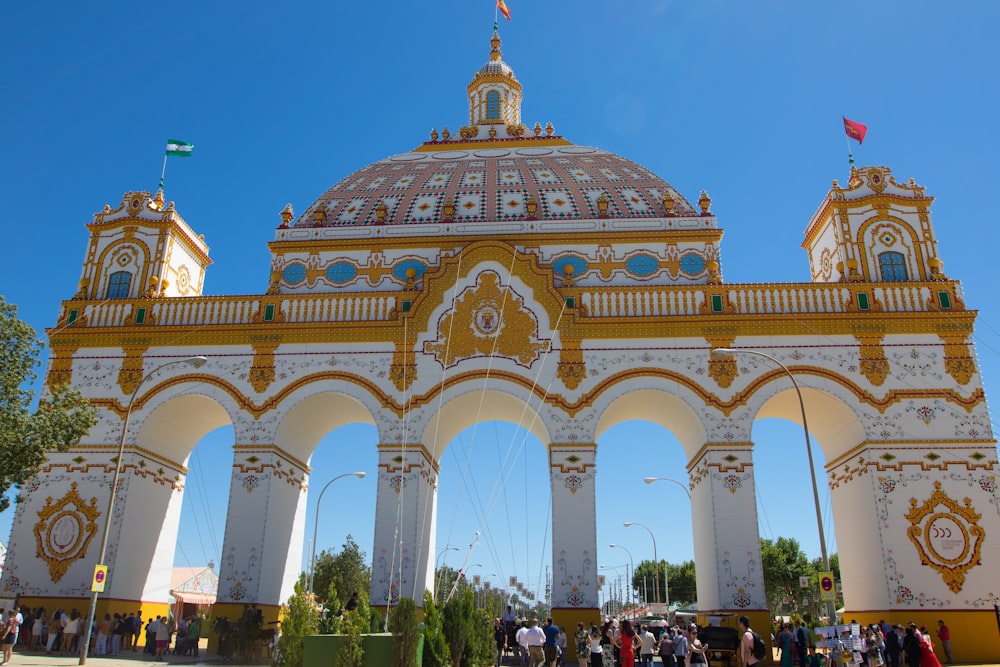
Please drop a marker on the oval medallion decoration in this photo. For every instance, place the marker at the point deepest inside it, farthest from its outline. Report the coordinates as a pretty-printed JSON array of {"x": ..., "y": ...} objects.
[
  {"x": 947, "y": 535},
  {"x": 64, "y": 530}
]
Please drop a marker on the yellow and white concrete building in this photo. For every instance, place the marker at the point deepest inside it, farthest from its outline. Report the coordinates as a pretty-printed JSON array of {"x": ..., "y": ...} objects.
[{"x": 577, "y": 290}]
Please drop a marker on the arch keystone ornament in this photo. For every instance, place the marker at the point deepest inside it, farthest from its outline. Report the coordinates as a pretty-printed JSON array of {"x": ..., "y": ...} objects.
[
  {"x": 947, "y": 536},
  {"x": 487, "y": 321},
  {"x": 64, "y": 531}
]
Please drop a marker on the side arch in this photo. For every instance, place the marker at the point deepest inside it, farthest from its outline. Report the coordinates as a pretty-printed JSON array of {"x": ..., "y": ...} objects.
[{"x": 659, "y": 407}]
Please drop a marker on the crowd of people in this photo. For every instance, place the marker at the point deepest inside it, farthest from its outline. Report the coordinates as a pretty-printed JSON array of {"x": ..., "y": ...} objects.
[
  {"x": 881, "y": 645},
  {"x": 530, "y": 643},
  {"x": 60, "y": 633}
]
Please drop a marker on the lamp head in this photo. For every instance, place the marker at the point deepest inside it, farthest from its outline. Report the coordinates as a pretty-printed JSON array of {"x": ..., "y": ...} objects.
[
  {"x": 628, "y": 523},
  {"x": 359, "y": 475},
  {"x": 612, "y": 545},
  {"x": 197, "y": 362},
  {"x": 722, "y": 352}
]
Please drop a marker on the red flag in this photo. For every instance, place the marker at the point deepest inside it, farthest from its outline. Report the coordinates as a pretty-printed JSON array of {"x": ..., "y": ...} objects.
[
  {"x": 502, "y": 6},
  {"x": 854, "y": 129}
]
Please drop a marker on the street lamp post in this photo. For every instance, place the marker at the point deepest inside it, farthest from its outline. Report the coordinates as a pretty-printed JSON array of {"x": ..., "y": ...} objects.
[
  {"x": 197, "y": 362},
  {"x": 628, "y": 578},
  {"x": 666, "y": 573},
  {"x": 650, "y": 480},
  {"x": 610, "y": 594},
  {"x": 725, "y": 352},
  {"x": 437, "y": 567},
  {"x": 312, "y": 554},
  {"x": 656, "y": 560}
]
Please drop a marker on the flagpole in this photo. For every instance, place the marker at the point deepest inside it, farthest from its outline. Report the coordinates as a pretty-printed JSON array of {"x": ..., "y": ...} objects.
[
  {"x": 850, "y": 156},
  {"x": 164, "y": 170}
]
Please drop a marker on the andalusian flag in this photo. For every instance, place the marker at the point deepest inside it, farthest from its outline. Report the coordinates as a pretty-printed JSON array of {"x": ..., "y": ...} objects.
[
  {"x": 178, "y": 148},
  {"x": 502, "y": 6}
]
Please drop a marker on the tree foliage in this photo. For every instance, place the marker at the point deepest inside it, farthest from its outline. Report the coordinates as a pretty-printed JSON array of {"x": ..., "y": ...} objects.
[
  {"x": 62, "y": 419},
  {"x": 405, "y": 628},
  {"x": 457, "y": 621},
  {"x": 783, "y": 564},
  {"x": 678, "y": 577},
  {"x": 300, "y": 621},
  {"x": 436, "y": 651},
  {"x": 353, "y": 624},
  {"x": 339, "y": 575}
]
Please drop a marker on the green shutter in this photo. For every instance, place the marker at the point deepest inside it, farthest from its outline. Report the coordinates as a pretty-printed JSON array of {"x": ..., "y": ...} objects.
[
  {"x": 570, "y": 302},
  {"x": 407, "y": 305},
  {"x": 269, "y": 312},
  {"x": 73, "y": 314},
  {"x": 716, "y": 303},
  {"x": 863, "y": 303},
  {"x": 945, "y": 300},
  {"x": 140, "y": 315}
]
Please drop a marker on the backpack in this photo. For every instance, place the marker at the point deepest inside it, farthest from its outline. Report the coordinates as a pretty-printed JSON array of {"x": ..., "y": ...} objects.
[{"x": 759, "y": 648}]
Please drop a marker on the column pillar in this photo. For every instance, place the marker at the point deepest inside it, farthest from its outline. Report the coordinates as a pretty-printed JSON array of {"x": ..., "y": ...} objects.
[
  {"x": 918, "y": 525},
  {"x": 405, "y": 525},
  {"x": 265, "y": 524},
  {"x": 574, "y": 534},
  {"x": 726, "y": 531}
]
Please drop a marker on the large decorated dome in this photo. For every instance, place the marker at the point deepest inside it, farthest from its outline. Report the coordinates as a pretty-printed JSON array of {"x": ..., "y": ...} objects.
[{"x": 496, "y": 169}]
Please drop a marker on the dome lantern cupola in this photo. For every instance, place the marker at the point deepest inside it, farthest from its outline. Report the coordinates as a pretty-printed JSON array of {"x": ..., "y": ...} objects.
[{"x": 495, "y": 93}]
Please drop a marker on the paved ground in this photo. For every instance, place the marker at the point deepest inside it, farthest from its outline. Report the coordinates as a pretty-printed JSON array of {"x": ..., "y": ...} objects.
[{"x": 129, "y": 659}]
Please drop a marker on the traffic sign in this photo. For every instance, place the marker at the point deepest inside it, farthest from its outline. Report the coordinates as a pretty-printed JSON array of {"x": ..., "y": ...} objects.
[
  {"x": 827, "y": 590},
  {"x": 100, "y": 578}
]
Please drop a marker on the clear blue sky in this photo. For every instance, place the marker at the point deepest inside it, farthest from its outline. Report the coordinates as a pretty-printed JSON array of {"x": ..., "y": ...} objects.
[{"x": 283, "y": 99}]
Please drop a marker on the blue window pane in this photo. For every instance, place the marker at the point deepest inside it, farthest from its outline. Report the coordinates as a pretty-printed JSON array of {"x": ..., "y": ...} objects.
[
  {"x": 400, "y": 269},
  {"x": 118, "y": 285},
  {"x": 579, "y": 266},
  {"x": 341, "y": 272},
  {"x": 642, "y": 265},
  {"x": 294, "y": 273},
  {"x": 692, "y": 264},
  {"x": 892, "y": 266},
  {"x": 493, "y": 105}
]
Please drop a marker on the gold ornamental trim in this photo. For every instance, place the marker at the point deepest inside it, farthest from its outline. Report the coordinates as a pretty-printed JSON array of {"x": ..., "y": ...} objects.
[
  {"x": 947, "y": 535},
  {"x": 64, "y": 529}
]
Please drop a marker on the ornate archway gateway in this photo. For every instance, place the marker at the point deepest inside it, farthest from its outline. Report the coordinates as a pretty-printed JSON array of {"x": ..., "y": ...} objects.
[{"x": 587, "y": 291}]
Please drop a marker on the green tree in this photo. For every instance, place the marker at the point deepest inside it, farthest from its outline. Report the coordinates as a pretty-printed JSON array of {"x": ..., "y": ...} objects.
[
  {"x": 62, "y": 419},
  {"x": 436, "y": 651},
  {"x": 300, "y": 621},
  {"x": 783, "y": 564},
  {"x": 480, "y": 648},
  {"x": 457, "y": 621},
  {"x": 352, "y": 625},
  {"x": 405, "y": 628},
  {"x": 678, "y": 577},
  {"x": 346, "y": 571}
]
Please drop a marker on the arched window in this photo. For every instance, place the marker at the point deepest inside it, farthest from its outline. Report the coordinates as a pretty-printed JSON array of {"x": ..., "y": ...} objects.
[
  {"x": 493, "y": 105},
  {"x": 892, "y": 265},
  {"x": 118, "y": 285}
]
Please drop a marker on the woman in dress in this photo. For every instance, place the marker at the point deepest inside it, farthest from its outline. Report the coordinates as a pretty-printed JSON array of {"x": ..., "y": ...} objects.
[
  {"x": 698, "y": 651},
  {"x": 582, "y": 645},
  {"x": 784, "y": 641},
  {"x": 70, "y": 632},
  {"x": 626, "y": 641},
  {"x": 596, "y": 646},
  {"x": 927, "y": 657},
  {"x": 37, "y": 629},
  {"x": 9, "y": 635}
]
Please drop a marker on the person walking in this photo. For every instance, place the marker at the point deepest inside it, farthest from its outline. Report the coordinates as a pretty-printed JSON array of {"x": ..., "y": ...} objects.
[
  {"x": 9, "y": 635},
  {"x": 747, "y": 658},
  {"x": 582, "y": 645},
  {"x": 944, "y": 634},
  {"x": 680, "y": 648}
]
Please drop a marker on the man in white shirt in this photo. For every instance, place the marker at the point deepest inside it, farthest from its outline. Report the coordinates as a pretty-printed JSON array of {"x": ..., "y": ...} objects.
[
  {"x": 522, "y": 642},
  {"x": 535, "y": 638},
  {"x": 646, "y": 648}
]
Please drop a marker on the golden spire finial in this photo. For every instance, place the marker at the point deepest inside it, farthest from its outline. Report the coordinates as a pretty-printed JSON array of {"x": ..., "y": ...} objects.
[
  {"x": 158, "y": 199},
  {"x": 495, "y": 47}
]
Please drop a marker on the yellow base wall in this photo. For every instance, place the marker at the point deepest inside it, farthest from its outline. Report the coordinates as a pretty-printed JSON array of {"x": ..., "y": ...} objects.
[
  {"x": 104, "y": 606},
  {"x": 234, "y": 611},
  {"x": 760, "y": 622},
  {"x": 974, "y": 636},
  {"x": 568, "y": 617}
]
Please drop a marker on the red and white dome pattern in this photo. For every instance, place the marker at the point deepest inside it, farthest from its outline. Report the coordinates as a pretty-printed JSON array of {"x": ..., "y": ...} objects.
[{"x": 494, "y": 184}]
